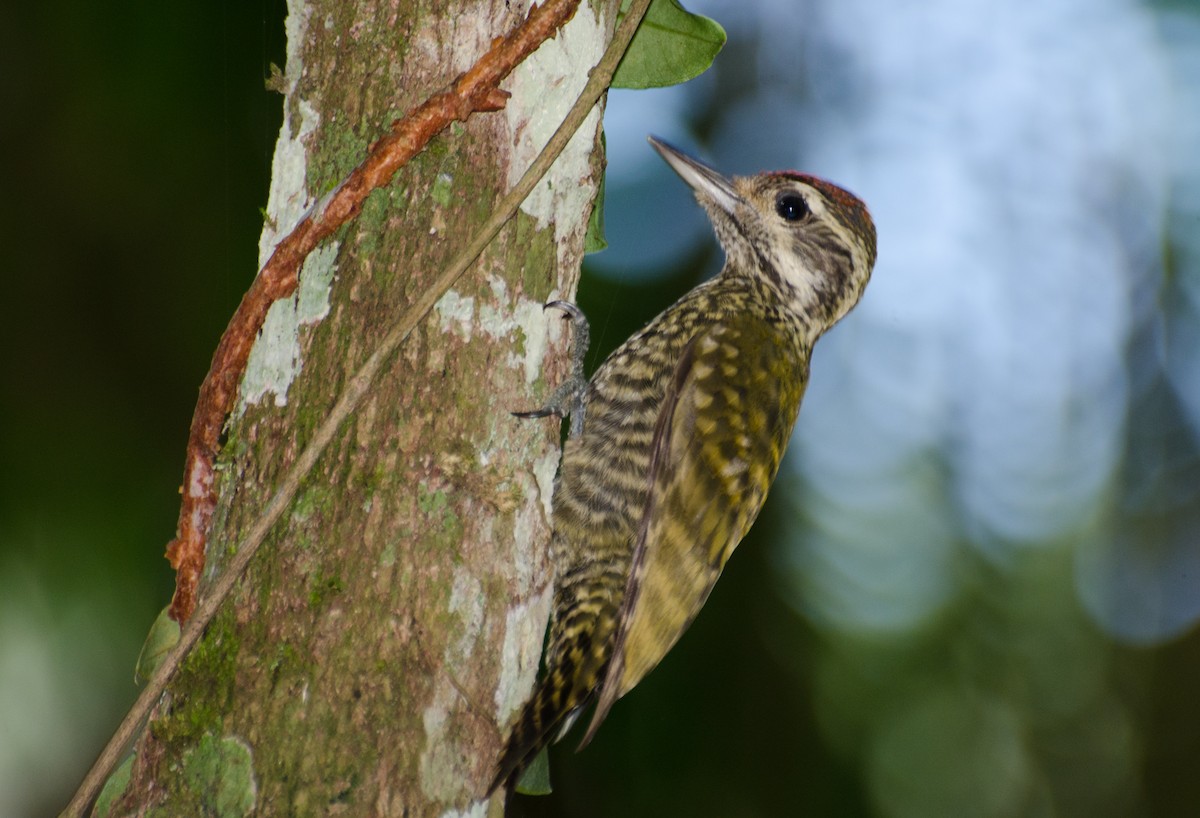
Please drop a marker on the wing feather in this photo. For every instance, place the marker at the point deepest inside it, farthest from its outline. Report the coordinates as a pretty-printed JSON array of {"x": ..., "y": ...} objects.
[{"x": 722, "y": 427}]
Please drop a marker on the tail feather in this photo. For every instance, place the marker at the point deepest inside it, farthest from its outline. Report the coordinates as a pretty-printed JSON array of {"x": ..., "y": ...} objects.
[
  {"x": 545, "y": 718},
  {"x": 577, "y": 655}
]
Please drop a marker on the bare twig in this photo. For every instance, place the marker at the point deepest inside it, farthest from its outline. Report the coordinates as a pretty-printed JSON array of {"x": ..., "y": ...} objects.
[
  {"x": 476, "y": 90},
  {"x": 356, "y": 388}
]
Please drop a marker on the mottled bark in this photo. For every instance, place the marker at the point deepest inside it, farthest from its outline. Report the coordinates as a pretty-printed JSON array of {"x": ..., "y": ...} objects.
[{"x": 377, "y": 647}]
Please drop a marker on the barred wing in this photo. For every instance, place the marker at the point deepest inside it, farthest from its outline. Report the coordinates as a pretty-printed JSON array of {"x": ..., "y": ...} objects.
[{"x": 722, "y": 428}]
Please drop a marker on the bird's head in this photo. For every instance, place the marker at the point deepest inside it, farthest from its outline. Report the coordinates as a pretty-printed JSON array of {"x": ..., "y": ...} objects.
[{"x": 809, "y": 239}]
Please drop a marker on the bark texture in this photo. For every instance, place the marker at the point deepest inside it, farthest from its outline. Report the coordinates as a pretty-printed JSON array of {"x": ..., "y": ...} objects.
[{"x": 374, "y": 653}]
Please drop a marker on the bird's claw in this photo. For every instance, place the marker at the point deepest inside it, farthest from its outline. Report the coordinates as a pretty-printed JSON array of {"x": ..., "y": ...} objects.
[{"x": 570, "y": 397}]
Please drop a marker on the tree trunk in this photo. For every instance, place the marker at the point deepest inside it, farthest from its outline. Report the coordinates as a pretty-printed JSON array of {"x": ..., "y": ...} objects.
[{"x": 378, "y": 646}]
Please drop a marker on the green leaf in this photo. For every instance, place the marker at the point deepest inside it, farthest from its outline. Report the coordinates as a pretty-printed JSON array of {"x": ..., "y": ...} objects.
[
  {"x": 536, "y": 778},
  {"x": 114, "y": 788},
  {"x": 593, "y": 240},
  {"x": 220, "y": 772},
  {"x": 163, "y": 636},
  {"x": 671, "y": 46}
]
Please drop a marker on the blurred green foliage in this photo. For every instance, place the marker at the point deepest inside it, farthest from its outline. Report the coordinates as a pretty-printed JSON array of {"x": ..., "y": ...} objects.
[{"x": 137, "y": 145}]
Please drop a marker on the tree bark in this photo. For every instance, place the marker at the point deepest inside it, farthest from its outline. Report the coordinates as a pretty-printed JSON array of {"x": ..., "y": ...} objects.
[{"x": 378, "y": 646}]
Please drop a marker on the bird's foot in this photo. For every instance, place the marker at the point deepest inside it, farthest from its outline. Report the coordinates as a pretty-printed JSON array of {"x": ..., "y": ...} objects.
[{"x": 571, "y": 395}]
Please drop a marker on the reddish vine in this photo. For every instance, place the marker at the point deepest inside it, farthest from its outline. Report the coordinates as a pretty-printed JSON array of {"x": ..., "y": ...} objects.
[{"x": 476, "y": 90}]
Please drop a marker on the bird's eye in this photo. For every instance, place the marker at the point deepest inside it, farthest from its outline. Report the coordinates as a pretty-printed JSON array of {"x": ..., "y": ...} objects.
[{"x": 791, "y": 206}]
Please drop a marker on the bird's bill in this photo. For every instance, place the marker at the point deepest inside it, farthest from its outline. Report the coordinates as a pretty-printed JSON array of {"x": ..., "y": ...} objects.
[{"x": 699, "y": 176}]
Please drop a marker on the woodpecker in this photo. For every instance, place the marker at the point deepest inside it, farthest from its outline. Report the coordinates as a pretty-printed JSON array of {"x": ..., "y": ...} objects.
[{"x": 676, "y": 438}]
